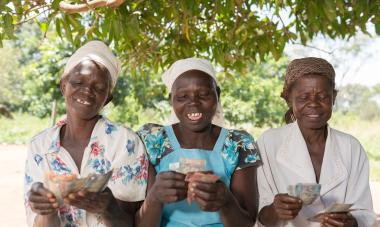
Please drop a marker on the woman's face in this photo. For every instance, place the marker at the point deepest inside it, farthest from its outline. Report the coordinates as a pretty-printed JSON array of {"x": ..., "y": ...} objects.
[
  {"x": 194, "y": 99},
  {"x": 86, "y": 90},
  {"x": 312, "y": 98}
]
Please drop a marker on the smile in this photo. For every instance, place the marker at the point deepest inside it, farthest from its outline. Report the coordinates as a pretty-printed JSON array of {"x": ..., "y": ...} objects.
[
  {"x": 194, "y": 116},
  {"x": 84, "y": 102},
  {"x": 313, "y": 115}
]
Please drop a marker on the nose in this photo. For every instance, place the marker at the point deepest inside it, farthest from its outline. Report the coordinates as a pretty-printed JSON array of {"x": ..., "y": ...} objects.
[
  {"x": 194, "y": 99},
  {"x": 313, "y": 101},
  {"x": 87, "y": 90}
]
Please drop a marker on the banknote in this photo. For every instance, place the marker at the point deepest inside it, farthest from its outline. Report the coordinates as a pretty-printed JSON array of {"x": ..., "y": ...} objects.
[
  {"x": 334, "y": 208},
  {"x": 187, "y": 165},
  {"x": 206, "y": 177},
  {"x": 62, "y": 185},
  {"x": 307, "y": 192}
]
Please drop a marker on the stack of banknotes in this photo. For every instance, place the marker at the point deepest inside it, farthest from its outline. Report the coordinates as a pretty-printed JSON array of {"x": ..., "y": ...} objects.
[
  {"x": 334, "y": 208},
  {"x": 195, "y": 170},
  {"x": 62, "y": 185},
  {"x": 307, "y": 192}
]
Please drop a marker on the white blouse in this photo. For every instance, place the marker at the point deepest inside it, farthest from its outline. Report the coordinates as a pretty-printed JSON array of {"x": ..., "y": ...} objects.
[{"x": 344, "y": 173}]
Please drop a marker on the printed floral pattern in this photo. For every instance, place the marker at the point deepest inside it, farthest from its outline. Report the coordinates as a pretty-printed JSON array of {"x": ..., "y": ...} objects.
[
  {"x": 238, "y": 150},
  {"x": 128, "y": 161}
]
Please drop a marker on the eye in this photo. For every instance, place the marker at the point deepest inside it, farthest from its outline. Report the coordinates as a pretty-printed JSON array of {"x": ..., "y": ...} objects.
[
  {"x": 75, "y": 82},
  {"x": 100, "y": 89},
  {"x": 204, "y": 93}
]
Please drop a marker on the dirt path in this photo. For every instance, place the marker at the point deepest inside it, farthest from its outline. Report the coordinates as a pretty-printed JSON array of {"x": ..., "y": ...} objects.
[{"x": 11, "y": 185}]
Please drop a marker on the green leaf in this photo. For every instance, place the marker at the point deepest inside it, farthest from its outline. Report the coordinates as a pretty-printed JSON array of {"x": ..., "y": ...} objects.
[{"x": 8, "y": 26}]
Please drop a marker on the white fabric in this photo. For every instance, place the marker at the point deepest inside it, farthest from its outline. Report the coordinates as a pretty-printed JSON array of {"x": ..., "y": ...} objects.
[
  {"x": 344, "y": 172},
  {"x": 96, "y": 51},
  {"x": 184, "y": 65},
  {"x": 111, "y": 146}
]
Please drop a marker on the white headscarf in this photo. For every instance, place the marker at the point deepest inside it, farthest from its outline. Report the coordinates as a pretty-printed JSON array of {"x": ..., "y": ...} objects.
[
  {"x": 184, "y": 65},
  {"x": 100, "y": 53}
]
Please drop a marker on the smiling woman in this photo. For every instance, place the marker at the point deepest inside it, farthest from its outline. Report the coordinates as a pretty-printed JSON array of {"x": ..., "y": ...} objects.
[
  {"x": 196, "y": 133},
  {"x": 86, "y": 143},
  {"x": 307, "y": 150}
]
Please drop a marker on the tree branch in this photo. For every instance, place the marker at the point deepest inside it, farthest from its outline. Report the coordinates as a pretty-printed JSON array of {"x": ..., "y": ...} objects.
[{"x": 89, "y": 5}]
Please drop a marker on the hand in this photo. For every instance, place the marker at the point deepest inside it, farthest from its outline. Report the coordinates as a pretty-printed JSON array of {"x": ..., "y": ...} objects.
[
  {"x": 286, "y": 207},
  {"x": 339, "y": 219},
  {"x": 41, "y": 200},
  {"x": 209, "y": 196},
  {"x": 168, "y": 187},
  {"x": 93, "y": 202}
]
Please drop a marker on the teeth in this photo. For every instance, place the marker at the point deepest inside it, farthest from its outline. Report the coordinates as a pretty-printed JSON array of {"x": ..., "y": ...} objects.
[
  {"x": 83, "y": 102},
  {"x": 194, "y": 116},
  {"x": 313, "y": 115}
]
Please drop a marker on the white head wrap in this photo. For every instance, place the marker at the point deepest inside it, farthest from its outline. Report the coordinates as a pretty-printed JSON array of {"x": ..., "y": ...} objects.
[
  {"x": 184, "y": 65},
  {"x": 100, "y": 53}
]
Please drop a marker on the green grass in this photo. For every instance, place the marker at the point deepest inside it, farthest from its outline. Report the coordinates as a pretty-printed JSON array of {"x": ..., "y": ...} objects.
[{"x": 21, "y": 129}]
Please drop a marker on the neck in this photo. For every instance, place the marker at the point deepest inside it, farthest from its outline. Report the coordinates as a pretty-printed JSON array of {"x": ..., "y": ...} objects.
[
  {"x": 204, "y": 139},
  {"x": 79, "y": 129},
  {"x": 312, "y": 136}
]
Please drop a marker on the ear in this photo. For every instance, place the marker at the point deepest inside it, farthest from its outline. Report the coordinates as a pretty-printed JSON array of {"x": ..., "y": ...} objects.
[
  {"x": 218, "y": 91},
  {"x": 62, "y": 86},
  {"x": 170, "y": 99},
  {"x": 335, "y": 93}
]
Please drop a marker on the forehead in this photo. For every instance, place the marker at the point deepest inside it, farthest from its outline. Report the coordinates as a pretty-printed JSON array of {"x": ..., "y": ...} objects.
[
  {"x": 193, "y": 78},
  {"x": 313, "y": 82},
  {"x": 89, "y": 68}
]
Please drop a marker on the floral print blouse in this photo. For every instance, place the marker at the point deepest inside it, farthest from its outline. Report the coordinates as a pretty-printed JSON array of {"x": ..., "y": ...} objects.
[
  {"x": 111, "y": 146},
  {"x": 239, "y": 149}
]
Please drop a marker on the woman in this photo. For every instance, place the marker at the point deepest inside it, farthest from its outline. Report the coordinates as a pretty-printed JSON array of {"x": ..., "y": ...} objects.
[
  {"x": 86, "y": 143},
  {"x": 196, "y": 132},
  {"x": 307, "y": 150}
]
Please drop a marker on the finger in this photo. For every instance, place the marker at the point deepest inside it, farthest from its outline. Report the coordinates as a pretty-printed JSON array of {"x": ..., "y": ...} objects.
[
  {"x": 37, "y": 198},
  {"x": 207, "y": 187},
  {"x": 334, "y": 222},
  {"x": 285, "y": 198},
  {"x": 291, "y": 213},
  {"x": 288, "y": 206},
  {"x": 40, "y": 189},
  {"x": 44, "y": 206},
  {"x": 171, "y": 175},
  {"x": 46, "y": 212},
  {"x": 207, "y": 196},
  {"x": 339, "y": 216},
  {"x": 180, "y": 184}
]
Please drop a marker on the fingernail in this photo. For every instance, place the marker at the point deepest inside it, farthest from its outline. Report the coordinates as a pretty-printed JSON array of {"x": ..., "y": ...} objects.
[
  {"x": 191, "y": 189},
  {"x": 52, "y": 200},
  {"x": 55, "y": 205},
  {"x": 193, "y": 185}
]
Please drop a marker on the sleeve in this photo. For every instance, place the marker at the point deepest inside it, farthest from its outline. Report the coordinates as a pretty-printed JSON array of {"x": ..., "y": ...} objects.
[
  {"x": 248, "y": 153},
  {"x": 153, "y": 137},
  {"x": 358, "y": 190},
  {"x": 130, "y": 169},
  {"x": 33, "y": 173}
]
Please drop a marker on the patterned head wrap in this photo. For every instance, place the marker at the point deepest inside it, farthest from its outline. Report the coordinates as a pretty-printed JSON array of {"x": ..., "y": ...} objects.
[
  {"x": 100, "y": 53},
  {"x": 181, "y": 66},
  {"x": 302, "y": 67}
]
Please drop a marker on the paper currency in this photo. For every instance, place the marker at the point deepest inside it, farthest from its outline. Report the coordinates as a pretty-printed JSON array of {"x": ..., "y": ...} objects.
[
  {"x": 307, "y": 192},
  {"x": 62, "y": 185},
  {"x": 187, "y": 165},
  {"x": 206, "y": 177},
  {"x": 334, "y": 208}
]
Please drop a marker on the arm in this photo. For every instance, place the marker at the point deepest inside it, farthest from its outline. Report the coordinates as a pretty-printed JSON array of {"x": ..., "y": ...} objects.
[
  {"x": 242, "y": 203},
  {"x": 40, "y": 204},
  {"x": 358, "y": 191}
]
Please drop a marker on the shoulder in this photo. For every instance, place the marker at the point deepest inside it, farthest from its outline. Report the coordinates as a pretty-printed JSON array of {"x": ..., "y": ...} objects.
[
  {"x": 239, "y": 136},
  {"x": 277, "y": 134},
  {"x": 150, "y": 129},
  {"x": 346, "y": 142},
  {"x": 44, "y": 138}
]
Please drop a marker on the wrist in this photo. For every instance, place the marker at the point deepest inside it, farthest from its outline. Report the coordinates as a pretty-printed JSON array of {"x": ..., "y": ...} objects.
[{"x": 229, "y": 202}]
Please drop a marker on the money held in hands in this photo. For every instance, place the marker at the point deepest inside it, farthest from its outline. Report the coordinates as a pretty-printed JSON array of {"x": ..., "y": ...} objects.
[{"x": 307, "y": 192}]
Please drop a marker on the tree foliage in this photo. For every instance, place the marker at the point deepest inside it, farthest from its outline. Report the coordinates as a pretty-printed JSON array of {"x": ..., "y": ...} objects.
[{"x": 233, "y": 33}]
